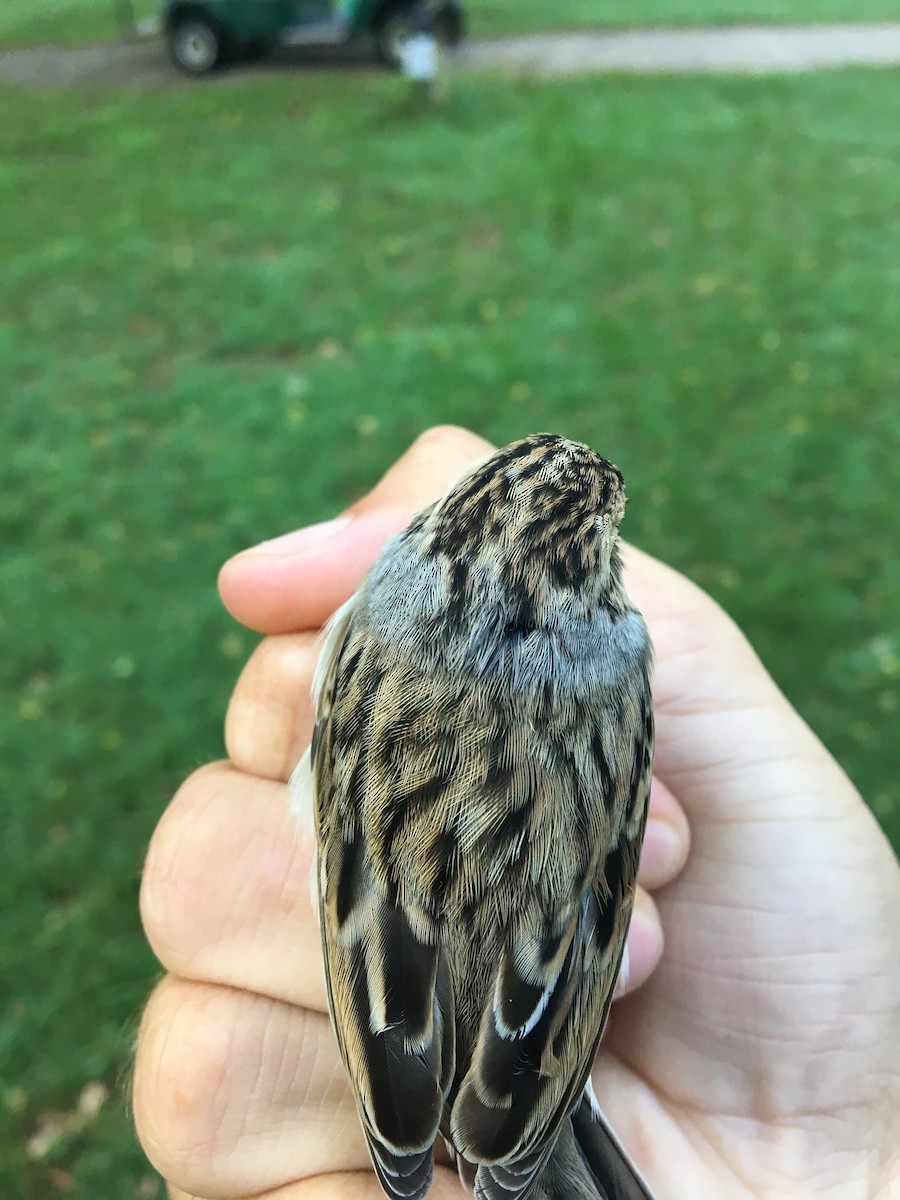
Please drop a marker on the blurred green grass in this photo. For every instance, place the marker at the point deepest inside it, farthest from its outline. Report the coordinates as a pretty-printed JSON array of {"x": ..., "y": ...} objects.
[
  {"x": 227, "y": 311},
  {"x": 73, "y": 21}
]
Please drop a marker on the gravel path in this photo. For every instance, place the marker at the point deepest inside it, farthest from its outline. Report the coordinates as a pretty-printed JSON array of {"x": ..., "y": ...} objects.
[
  {"x": 748, "y": 49},
  {"x": 752, "y": 49}
]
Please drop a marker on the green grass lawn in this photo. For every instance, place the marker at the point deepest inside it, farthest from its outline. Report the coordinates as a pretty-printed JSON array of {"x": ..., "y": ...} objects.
[
  {"x": 226, "y": 310},
  {"x": 37, "y": 21}
]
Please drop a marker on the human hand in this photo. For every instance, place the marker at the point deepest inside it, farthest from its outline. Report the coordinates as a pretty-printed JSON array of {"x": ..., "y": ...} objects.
[{"x": 756, "y": 1061}]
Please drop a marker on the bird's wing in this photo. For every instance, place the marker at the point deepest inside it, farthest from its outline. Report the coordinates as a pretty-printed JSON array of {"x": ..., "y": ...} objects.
[
  {"x": 388, "y": 984},
  {"x": 603, "y": 1155},
  {"x": 552, "y": 991}
]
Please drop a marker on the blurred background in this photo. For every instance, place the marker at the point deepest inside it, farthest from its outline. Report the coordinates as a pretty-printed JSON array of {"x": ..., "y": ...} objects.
[{"x": 228, "y": 307}]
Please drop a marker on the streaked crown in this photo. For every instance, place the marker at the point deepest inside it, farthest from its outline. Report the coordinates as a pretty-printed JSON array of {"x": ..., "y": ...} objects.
[{"x": 544, "y": 504}]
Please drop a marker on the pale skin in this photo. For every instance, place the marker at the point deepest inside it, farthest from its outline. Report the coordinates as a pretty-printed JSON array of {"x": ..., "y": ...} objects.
[{"x": 756, "y": 1049}]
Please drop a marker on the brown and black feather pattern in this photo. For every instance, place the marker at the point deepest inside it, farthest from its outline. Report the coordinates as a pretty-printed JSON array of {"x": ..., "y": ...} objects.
[{"x": 481, "y": 768}]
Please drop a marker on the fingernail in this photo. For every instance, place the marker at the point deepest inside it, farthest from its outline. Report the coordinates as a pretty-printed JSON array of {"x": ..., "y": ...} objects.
[{"x": 300, "y": 539}]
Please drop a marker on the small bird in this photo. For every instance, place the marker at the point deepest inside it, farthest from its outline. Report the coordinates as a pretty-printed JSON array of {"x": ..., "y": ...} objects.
[{"x": 481, "y": 767}]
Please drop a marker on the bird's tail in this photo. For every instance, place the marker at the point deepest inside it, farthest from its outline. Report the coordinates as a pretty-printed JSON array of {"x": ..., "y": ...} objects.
[{"x": 589, "y": 1163}]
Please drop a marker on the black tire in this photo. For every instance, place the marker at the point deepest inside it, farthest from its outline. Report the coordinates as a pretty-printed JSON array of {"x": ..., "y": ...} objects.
[
  {"x": 398, "y": 21},
  {"x": 196, "y": 44},
  {"x": 450, "y": 24}
]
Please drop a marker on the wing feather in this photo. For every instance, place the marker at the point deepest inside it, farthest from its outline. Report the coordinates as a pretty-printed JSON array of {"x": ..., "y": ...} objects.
[
  {"x": 389, "y": 988},
  {"x": 550, "y": 1000}
]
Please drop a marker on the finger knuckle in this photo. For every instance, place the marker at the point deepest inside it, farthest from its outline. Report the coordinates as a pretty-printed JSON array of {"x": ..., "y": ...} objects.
[
  {"x": 170, "y": 881},
  {"x": 179, "y": 1093},
  {"x": 270, "y": 714}
]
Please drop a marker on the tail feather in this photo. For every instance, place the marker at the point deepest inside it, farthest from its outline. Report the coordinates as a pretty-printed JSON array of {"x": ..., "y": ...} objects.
[{"x": 589, "y": 1163}]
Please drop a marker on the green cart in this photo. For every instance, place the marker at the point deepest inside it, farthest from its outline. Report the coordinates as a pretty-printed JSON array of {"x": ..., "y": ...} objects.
[{"x": 203, "y": 34}]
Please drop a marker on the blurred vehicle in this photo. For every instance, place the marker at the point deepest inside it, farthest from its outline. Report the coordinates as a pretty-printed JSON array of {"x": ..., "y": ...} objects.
[{"x": 203, "y": 34}]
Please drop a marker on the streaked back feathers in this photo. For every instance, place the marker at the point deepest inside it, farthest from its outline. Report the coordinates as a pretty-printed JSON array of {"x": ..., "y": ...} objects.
[{"x": 481, "y": 766}]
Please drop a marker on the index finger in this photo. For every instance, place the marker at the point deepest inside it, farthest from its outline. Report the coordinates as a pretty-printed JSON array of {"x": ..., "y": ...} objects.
[{"x": 295, "y": 582}]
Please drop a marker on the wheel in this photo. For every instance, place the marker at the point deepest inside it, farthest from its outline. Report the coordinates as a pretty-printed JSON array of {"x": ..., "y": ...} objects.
[
  {"x": 450, "y": 24},
  {"x": 196, "y": 45},
  {"x": 401, "y": 21}
]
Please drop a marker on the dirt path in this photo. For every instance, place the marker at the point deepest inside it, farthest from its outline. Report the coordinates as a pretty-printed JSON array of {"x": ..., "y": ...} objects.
[{"x": 747, "y": 49}]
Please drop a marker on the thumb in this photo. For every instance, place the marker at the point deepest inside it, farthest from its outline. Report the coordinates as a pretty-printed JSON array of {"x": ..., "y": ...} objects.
[{"x": 296, "y": 581}]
